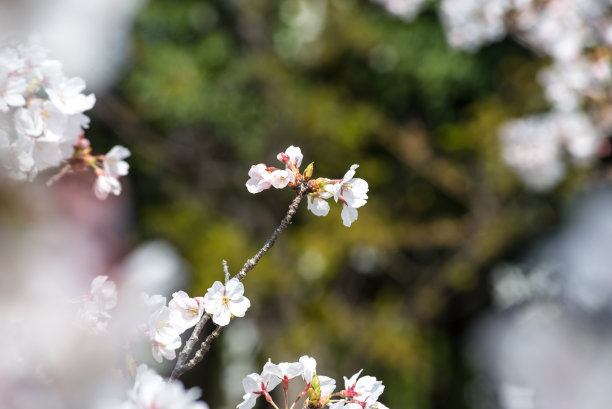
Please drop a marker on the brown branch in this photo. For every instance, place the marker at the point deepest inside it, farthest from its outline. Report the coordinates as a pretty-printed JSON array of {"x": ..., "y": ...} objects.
[
  {"x": 199, "y": 355},
  {"x": 181, "y": 363}
]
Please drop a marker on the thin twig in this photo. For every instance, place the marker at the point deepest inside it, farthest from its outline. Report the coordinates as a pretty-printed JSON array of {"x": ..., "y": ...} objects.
[
  {"x": 63, "y": 172},
  {"x": 181, "y": 363},
  {"x": 252, "y": 262}
]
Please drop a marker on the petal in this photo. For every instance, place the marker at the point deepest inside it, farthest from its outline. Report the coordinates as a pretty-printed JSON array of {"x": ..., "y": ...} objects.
[
  {"x": 222, "y": 317},
  {"x": 234, "y": 289},
  {"x": 349, "y": 215},
  {"x": 239, "y": 307}
]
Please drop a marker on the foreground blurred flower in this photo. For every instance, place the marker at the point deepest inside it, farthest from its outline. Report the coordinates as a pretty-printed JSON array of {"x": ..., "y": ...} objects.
[
  {"x": 42, "y": 121},
  {"x": 151, "y": 391},
  {"x": 95, "y": 307}
]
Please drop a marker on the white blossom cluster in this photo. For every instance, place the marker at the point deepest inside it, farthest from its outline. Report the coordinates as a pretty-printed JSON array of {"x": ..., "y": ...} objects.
[
  {"x": 535, "y": 147},
  {"x": 351, "y": 191},
  {"x": 42, "y": 120},
  {"x": 168, "y": 322},
  {"x": 470, "y": 23},
  {"x": 559, "y": 28},
  {"x": 405, "y": 9},
  {"x": 577, "y": 36},
  {"x": 358, "y": 393},
  {"x": 152, "y": 391}
]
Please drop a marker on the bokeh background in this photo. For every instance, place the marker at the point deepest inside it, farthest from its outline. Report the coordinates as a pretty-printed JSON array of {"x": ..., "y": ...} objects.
[
  {"x": 210, "y": 88},
  {"x": 207, "y": 88}
]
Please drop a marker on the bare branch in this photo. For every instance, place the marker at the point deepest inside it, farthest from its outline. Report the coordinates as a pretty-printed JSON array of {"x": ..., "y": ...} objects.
[{"x": 181, "y": 363}]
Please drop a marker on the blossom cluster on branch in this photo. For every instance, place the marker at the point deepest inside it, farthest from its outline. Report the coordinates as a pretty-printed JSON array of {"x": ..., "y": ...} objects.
[
  {"x": 42, "y": 121},
  {"x": 318, "y": 390},
  {"x": 41, "y": 127},
  {"x": 351, "y": 191}
]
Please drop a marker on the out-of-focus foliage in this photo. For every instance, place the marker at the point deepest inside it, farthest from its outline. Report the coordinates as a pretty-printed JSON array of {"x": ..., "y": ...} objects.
[{"x": 215, "y": 86}]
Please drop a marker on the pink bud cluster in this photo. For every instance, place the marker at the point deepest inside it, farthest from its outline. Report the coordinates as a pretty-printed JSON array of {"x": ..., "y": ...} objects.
[
  {"x": 358, "y": 393},
  {"x": 42, "y": 121},
  {"x": 351, "y": 191}
]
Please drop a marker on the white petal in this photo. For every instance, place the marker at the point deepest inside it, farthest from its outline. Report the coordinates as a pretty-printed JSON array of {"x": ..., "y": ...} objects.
[
  {"x": 349, "y": 215},
  {"x": 239, "y": 307}
]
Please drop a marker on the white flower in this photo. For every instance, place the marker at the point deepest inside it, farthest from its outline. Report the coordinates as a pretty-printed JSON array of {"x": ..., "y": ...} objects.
[
  {"x": 223, "y": 302},
  {"x": 249, "y": 401},
  {"x": 114, "y": 164},
  {"x": 106, "y": 184},
  {"x": 260, "y": 179},
  {"x": 327, "y": 385},
  {"x": 66, "y": 95},
  {"x": 292, "y": 154},
  {"x": 190, "y": 309},
  {"x": 285, "y": 371},
  {"x": 255, "y": 385},
  {"x": 10, "y": 60},
  {"x": 317, "y": 204},
  {"x": 365, "y": 389},
  {"x": 352, "y": 192},
  {"x": 281, "y": 178},
  {"x": 11, "y": 91},
  {"x": 164, "y": 332},
  {"x": 29, "y": 121},
  {"x": 95, "y": 307},
  {"x": 310, "y": 366},
  {"x": 151, "y": 391}
]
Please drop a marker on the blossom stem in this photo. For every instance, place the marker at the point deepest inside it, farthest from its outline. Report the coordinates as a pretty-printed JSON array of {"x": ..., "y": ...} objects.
[
  {"x": 182, "y": 365},
  {"x": 63, "y": 172}
]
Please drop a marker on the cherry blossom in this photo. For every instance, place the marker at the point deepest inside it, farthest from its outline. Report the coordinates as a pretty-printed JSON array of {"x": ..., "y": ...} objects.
[
  {"x": 95, "y": 307},
  {"x": 291, "y": 157},
  {"x": 105, "y": 185},
  {"x": 223, "y": 302},
  {"x": 150, "y": 391},
  {"x": 260, "y": 179},
  {"x": 310, "y": 366},
  {"x": 317, "y": 203},
  {"x": 41, "y": 114},
  {"x": 114, "y": 163},
  {"x": 281, "y": 178},
  {"x": 352, "y": 192},
  {"x": 190, "y": 309},
  {"x": 256, "y": 385},
  {"x": 67, "y": 96},
  {"x": 285, "y": 371},
  {"x": 164, "y": 332}
]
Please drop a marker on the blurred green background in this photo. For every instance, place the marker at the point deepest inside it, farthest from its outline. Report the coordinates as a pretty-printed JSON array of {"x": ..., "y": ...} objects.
[{"x": 212, "y": 87}]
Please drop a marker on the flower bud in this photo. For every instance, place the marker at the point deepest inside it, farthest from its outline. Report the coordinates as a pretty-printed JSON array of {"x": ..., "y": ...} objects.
[
  {"x": 314, "y": 392},
  {"x": 308, "y": 171}
]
